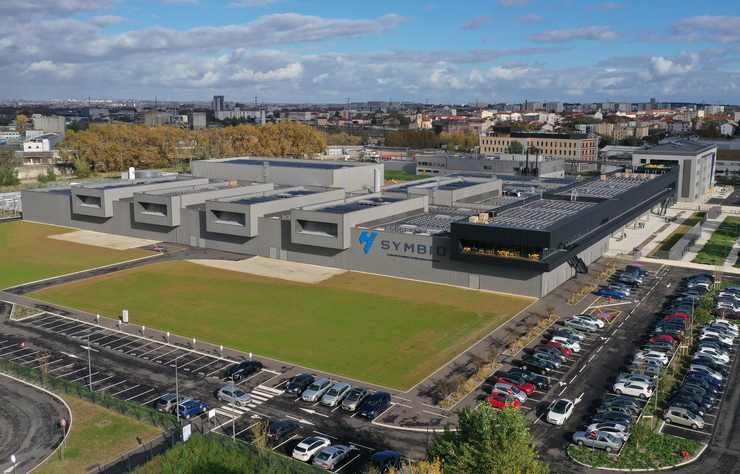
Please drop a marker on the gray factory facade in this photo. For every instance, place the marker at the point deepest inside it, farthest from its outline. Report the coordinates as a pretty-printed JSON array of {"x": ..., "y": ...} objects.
[{"x": 443, "y": 229}]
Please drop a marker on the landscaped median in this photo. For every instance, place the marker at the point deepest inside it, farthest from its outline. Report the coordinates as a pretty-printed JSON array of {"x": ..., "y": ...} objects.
[
  {"x": 720, "y": 244},
  {"x": 661, "y": 251}
]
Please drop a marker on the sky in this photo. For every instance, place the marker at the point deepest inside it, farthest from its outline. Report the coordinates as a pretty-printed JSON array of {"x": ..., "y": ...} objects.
[{"x": 434, "y": 51}]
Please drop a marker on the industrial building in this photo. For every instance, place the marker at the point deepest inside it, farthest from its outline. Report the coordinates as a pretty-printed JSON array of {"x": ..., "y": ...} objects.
[{"x": 515, "y": 234}]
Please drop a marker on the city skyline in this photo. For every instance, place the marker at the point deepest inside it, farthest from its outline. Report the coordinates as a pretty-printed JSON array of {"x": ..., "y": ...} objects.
[{"x": 295, "y": 52}]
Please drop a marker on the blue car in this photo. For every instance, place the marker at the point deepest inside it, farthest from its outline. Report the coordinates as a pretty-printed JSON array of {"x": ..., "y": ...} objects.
[
  {"x": 191, "y": 408},
  {"x": 610, "y": 293},
  {"x": 374, "y": 405}
]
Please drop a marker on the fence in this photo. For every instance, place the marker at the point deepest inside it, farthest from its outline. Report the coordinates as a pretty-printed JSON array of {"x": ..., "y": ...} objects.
[
  {"x": 679, "y": 249},
  {"x": 10, "y": 205},
  {"x": 137, "y": 457},
  {"x": 64, "y": 387}
]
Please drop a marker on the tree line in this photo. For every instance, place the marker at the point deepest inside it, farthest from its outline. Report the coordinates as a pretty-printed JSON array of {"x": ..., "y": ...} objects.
[
  {"x": 114, "y": 147},
  {"x": 431, "y": 139}
]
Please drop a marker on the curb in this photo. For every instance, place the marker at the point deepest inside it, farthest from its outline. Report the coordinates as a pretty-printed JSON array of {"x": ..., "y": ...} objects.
[
  {"x": 664, "y": 468},
  {"x": 69, "y": 410}
]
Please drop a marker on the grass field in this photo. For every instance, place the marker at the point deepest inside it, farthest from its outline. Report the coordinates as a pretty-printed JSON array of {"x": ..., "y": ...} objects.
[
  {"x": 401, "y": 175},
  {"x": 382, "y": 330},
  {"x": 26, "y": 254},
  {"x": 719, "y": 245},
  {"x": 676, "y": 235},
  {"x": 98, "y": 436}
]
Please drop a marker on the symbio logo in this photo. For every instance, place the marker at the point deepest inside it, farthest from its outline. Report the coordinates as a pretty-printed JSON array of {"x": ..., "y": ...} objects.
[{"x": 366, "y": 239}]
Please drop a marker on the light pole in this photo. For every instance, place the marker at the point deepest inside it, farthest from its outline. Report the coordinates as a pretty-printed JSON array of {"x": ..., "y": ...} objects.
[
  {"x": 177, "y": 396},
  {"x": 89, "y": 363}
]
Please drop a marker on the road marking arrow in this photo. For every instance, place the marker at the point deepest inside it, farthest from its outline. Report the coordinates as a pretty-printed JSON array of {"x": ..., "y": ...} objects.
[{"x": 314, "y": 412}]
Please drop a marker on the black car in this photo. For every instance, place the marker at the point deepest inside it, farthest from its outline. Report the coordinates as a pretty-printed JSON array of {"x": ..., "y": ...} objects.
[
  {"x": 706, "y": 378},
  {"x": 297, "y": 384},
  {"x": 710, "y": 363},
  {"x": 712, "y": 390},
  {"x": 705, "y": 403},
  {"x": 536, "y": 365},
  {"x": 622, "y": 402},
  {"x": 553, "y": 353},
  {"x": 384, "y": 461},
  {"x": 687, "y": 403},
  {"x": 375, "y": 404},
  {"x": 243, "y": 369},
  {"x": 624, "y": 410},
  {"x": 611, "y": 417},
  {"x": 700, "y": 392},
  {"x": 540, "y": 381},
  {"x": 280, "y": 430}
]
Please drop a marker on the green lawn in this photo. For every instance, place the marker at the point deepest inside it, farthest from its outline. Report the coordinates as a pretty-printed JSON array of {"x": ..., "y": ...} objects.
[
  {"x": 386, "y": 331},
  {"x": 26, "y": 254},
  {"x": 401, "y": 175},
  {"x": 679, "y": 232},
  {"x": 98, "y": 436},
  {"x": 716, "y": 250}
]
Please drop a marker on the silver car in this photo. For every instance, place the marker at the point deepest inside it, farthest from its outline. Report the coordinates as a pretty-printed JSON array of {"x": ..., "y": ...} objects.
[
  {"x": 598, "y": 439},
  {"x": 682, "y": 416},
  {"x": 329, "y": 458},
  {"x": 335, "y": 394},
  {"x": 316, "y": 390},
  {"x": 354, "y": 398},
  {"x": 233, "y": 394}
]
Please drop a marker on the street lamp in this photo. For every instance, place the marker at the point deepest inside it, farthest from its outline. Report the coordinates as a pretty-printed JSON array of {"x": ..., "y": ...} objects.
[
  {"x": 89, "y": 363},
  {"x": 177, "y": 395}
]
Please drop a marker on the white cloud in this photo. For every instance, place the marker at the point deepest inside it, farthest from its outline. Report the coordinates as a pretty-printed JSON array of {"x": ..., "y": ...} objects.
[
  {"x": 593, "y": 33},
  {"x": 722, "y": 29},
  {"x": 59, "y": 71},
  {"x": 662, "y": 67}
]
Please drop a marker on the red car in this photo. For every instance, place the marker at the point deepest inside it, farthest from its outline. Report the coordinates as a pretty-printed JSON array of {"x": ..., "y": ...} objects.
[
  {"x": 563, "y": 350},
  {"x": 525, "y": 387},
  {"x": 501, "y": 400},
  {"x": 662, "y": 337},
  {"x": 677, "y": 316}
]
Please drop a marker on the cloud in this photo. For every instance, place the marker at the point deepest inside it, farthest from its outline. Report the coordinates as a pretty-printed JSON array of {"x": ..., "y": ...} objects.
[
  {"x": 721, "y": 29},
  {"x": 476, "y": 22},
  {"x": 608, "y": 6},
  {"x": 105, "y": 20},
  {"x": 531, "y": 18},
  {"x": 49, "y": 8},
  {"x": 663, "y": 67},
  {"x": 513, "y": 3},
  {"x": 253, "y": 3},
  {"x": 59, "y": 71},
  {"x": 592, "y": 33},
  {"x": 472, "y": 56}
]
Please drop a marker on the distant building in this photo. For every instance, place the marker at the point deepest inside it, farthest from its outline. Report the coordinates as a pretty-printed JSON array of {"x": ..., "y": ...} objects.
[
  {"x": 696, "y": 164},
  {"x": 218, "y": 103},
  {"x": 42, "y": 143},
  {"x": 49, "y": 124},
  {"x": 258, "y": 116},
  {"x": 727, "y": 129},
  {"x": 156, "y": 118},
  {"x": 714, "y": 109},
  {"x": 567, "y": 146},
  {"x": 198, "y": 120},
  {"x": 728, "y": 165},
  {"x": 504, "y": 164}
]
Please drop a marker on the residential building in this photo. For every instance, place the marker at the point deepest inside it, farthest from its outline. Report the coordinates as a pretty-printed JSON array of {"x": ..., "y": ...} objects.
[
  {"x": 258, "y": 116},
  {"x": 218, "y": 103},
  {"x": 727, "y": 129},
  {"x": 696, "y": 164},
  {"x": 49, "y": 123},
  {"x": 567, "y": 146},
  {"x": 728, "y": 165},
  {"x": 42, "y": 143},
  {"x": 157, "y": 118},
  {"x": 198, "y": 120}
]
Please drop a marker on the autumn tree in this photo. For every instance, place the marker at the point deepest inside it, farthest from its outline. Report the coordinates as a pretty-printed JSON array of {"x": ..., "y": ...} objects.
[{"x": 21, "y": 123}]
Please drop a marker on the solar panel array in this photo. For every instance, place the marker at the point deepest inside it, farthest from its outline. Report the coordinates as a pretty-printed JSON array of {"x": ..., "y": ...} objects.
[
  {"x": 357, "y": 205},
  {"x": 611, "y": 187},
  {"x": 429, "y": 223},
  {"x": 539, "y": 214}
]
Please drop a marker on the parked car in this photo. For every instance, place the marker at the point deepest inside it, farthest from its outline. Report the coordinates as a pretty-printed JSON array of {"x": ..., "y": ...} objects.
[
  {"x": 713, "y": 353},
  {"x": 613, "y": 417},
  {"x": 385, "y": 461},
  {"x": 329, "y": 458},
  {"x": 652, "y": 355},
  {"x": 566, "y": 351},
  {"x": 167, "y": 402},
  {"x": 636, "y": 269},
  {"x": 548, "y": 358},
  {"x": 627, "y": 377},
  {"x": 243, "y": 370},
  {"x": 682, "y": 416},
  {"x": 580, "y": 325},
  {"x": 610, "y": 293},
  {"x": 540, "y": 381},
  {"x": 688, "y": 404},
  {"x": 560, "y": 411},
  {"x": 624, "y": 410},
  {"x": 726, "y": 342},
  {"x": 620, "y": 431},
  {"x": 599, "y": 440},
  {"x": 571, "y": 344},
  {"x": 591, "y": 319},
  {"x": 510, "y": 390},
  {"x": 233, "y": 394},
  {"x": 354, "y": 398},
  {"x": 623, "y": 402},
  {"x": 191, "y": 408},
  {"x": 536, "y": 365},
  {"x": 725, "y": 324},
  {"x": 552, "y": 352},
  {"x": 502, "y": 400},
  {"x": 316, "y": 390},
  {"x": 335, "y": 394},
  {"x": 307, "y": 448},
  {"x": 662, "y": 337},
  {"x": 297, "y": 384},
  {"x": 374, "y": 405},
  {"x": 569, "y": 333},
  {"x": 280, "y": 430},
  {"x": 519, "y": 383}
]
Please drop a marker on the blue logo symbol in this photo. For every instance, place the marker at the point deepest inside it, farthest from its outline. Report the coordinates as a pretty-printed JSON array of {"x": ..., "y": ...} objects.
[{"x": 367, "y": 238}]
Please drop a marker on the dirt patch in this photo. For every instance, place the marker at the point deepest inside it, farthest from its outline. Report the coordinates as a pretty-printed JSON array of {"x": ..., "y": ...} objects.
[
  {"x": 99, "y": 239},
  {"x": 272, "y": 268}
]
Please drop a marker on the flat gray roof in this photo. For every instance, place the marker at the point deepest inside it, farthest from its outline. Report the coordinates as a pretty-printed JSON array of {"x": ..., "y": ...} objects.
[
  {"x": 681, "y": 147},
  {"x": 346, "y": 208},
  {"x": 539, "y": 214}
]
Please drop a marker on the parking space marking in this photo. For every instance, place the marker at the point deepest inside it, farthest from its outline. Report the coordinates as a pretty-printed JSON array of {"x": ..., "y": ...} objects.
[
  {"x": 24, "y": 355},
  {"x": 140, "y": 394},
  {"x": 246, "y": 429},
  {"x": 152, "y": 400},
  {"x": 287, "y": 440},
  {"x": 12, "y": 352},
  {"x": 190, "y": 362},
  {"x": 348, "y": 463},
  {"x": 383, "y": 413},
  {"x": 111, "y": 386},
  {"x": 86, "y": 376},
  {"x": 149, "y": 351},
  {"x": 326, "y": 435},
  {"x": 103, "y": 380},
  {"x": 217, "y": 370},
  {"x": 126, "y": 390}
]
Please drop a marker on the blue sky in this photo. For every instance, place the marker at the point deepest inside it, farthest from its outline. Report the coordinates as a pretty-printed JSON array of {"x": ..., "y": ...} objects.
[{"x": 326, "y": 50}]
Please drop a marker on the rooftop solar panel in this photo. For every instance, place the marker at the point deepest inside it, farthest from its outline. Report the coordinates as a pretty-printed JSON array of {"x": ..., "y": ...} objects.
[
  {"x": 538, "y": 215},
  {"x": 289, "y": 164}
]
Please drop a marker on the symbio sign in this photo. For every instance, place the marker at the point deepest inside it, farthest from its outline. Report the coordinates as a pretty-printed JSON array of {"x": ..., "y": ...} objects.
[{"x": 399, "y": 248}]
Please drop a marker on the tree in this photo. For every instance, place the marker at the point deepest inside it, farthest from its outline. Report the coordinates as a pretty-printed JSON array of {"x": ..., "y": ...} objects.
[
  {"x": 21, "y": 123},
  {"x": 488, "y": 441},
  {"x": 516, "y": 148}
]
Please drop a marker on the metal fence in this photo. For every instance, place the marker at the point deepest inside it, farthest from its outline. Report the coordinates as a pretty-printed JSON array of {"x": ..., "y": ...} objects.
[
  {"x": 683, "y": 244},
  {"x": 10, "y": 205}
]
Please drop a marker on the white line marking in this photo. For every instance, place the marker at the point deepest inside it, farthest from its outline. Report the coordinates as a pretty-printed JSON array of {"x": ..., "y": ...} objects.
[{"x": 139, "y": 394}]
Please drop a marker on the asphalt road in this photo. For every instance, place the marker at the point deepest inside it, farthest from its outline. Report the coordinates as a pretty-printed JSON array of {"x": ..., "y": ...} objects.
[{"x": 29, "y": 426}]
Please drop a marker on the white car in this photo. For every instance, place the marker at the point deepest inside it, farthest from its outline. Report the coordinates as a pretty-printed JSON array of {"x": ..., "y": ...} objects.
[
  {"x": 634, "y": 377},
  {"x": 575, "y": 346},
  {"x": 587, "y": 317},
  {"x": 714, "y": 358},
  {"x": 710, "y": 331},
  {"x": 727, "y": 324},
  {"x": 721, "y": 329},
  {"x": 307, "y": 448},
  {"x": 510, "y": 390},
  {"x": 706, "y": 371},
  {"x": 652, "y": 355},
  {"x": 633, "y": 389},
  {"x": 560, "y": 411},
  {"x": 723, "y": 339},
  {"x": 615, "y": 429},
  {"x": 713, "y": 353}
]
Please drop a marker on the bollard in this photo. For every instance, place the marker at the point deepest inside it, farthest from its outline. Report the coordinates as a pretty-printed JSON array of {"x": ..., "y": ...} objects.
[
  {"x": 97, "y": 319},
  {"x": 193, "y": 343},
  {"x": 168, "y": 336},
  {"x": 143, "y": 328}
]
